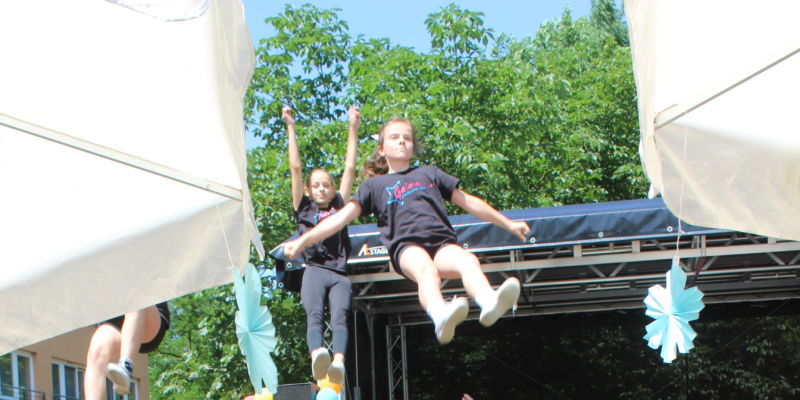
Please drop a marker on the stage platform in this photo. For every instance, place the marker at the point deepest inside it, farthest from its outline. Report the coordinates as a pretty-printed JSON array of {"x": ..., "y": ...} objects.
[
  {"x": 589, "y": 257},
  {"x": 581, "y": 259}
]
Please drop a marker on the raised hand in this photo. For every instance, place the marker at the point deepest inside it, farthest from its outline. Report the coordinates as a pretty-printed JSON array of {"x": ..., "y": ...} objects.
[
  {"x": 286, "y": 114},
  {"x": 354, "y": 116}
]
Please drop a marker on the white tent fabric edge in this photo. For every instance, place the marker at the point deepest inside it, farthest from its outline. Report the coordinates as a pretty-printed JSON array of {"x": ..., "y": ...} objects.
[
  {"x": 718, "y": 140},
  {"x": 64, "y": 268}
]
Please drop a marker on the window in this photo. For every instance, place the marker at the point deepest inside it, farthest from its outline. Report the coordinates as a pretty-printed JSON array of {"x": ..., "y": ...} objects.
[
  {"x": 67, "y": 381},
  {"x": 133, "y": 392},
  {"x": 68, "y": 384},
  {"x": 16, "y": 376}
]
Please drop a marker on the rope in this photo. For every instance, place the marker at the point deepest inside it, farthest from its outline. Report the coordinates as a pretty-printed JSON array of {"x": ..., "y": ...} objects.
[
  {"x": 677, "y": 258},
  {"x": 224, "y": 236}
]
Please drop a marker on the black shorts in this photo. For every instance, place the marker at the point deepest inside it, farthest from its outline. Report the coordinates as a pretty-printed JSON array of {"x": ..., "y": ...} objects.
[
  {"x": 431, "y": 247},
  {"x": 163, "y": 314}
]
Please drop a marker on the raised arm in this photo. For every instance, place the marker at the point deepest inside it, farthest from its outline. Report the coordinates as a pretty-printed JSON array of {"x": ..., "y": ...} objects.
[
  {"x": 346, "y": 186},
  {"x": 323, "y": 230},
  {"x": 481, "y": 209},
  {"x": 294, "y": 157}
]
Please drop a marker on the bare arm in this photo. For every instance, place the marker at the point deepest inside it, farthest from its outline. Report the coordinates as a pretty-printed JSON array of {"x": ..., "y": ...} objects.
[
  {"x": 481, "y": 209},
  {"x": 294, "y": 157},
  {"x": 346, "y": 186},
  {"x": 323, "y": 230}
]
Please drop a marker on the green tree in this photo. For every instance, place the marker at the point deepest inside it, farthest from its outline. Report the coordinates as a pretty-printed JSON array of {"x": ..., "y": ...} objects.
[
  {"x": 528, "y": 122},
  {"x": 201, "y": 358}
]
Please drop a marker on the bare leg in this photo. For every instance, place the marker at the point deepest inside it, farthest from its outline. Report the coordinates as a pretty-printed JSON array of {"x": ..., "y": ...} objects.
[
  {"x": 418, "y": 266},
  {"x": 139, "y": 327},
  {"x": 452, "y": 261},
  {"x": 103, "y": 348}
]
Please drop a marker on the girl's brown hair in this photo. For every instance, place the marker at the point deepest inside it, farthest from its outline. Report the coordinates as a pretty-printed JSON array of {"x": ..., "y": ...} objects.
[
  {"x": 308, "y": 178},
  {"x": 376, "y": 164}
]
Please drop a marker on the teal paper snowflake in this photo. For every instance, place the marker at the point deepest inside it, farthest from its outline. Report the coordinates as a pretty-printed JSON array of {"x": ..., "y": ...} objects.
[
  {"x": 255, "y": 330},
  {"x": 673, "y": 308}
]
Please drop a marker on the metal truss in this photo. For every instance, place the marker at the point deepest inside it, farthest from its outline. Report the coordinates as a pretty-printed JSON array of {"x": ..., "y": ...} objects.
[
  {"x": 396, "y": 360},
  {"x": 577, "y": 278},
  {"x": 589, "y": 277}
]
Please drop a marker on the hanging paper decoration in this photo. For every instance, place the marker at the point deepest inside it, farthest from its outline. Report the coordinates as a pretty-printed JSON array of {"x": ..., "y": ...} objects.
[
  {"x": 673, "y": 308},
  {"x": 255, "y": 330}
]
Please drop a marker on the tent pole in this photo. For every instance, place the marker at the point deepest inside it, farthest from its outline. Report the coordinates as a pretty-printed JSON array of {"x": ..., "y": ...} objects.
[{"x": 120, "y": 157}]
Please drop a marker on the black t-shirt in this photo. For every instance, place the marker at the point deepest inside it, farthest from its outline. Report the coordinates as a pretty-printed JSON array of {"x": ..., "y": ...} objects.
[
  {"x": 332, "y": 252},
  {"x": 409, "y": 205}
]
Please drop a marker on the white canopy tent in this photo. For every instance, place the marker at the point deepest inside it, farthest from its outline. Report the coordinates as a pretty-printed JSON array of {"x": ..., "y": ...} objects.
[
  {"x": 718, "y": 86},
  {"x": 122, "y": 158}
]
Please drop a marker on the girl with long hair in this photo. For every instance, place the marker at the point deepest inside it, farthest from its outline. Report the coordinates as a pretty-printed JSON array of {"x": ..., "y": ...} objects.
[
  {"x": 414, "y": 227},
  {"x": 325, "y": 276}
]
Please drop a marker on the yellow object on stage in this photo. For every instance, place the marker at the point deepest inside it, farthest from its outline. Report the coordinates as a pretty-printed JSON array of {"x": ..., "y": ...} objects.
[{"x": 326, "y": 383}]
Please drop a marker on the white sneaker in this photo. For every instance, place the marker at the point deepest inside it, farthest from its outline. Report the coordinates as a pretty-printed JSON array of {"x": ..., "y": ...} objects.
[
  {"x": 506, "y": 296},
  {"x": 119, "y": 390},
  {"x": 120, "y": 377},
  {"x": 320, "y": 361},
  {"x": 336, "y": 372},
  {"x": 455, "y": 311}
]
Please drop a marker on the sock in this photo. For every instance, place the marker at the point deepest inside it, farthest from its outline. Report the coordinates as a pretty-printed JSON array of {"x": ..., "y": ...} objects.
[
  {"x": 487, "y": 298},
  {"x": 127, "y": 364},
  {"x": 435, "y": 311}
]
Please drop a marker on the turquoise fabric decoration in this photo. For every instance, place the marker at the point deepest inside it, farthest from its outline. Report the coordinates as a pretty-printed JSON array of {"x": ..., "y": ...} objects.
[
  {"x": 255, "y": 330},
  {"x": 673, "y": 308}
]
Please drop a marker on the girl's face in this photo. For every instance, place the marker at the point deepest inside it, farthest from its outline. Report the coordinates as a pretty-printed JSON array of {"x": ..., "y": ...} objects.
[
  {"x": 398, "y": 142},
  {"x": 320, "y": 188}
]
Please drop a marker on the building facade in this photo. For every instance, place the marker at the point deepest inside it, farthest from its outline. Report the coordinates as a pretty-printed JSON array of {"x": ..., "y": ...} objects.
[{"x": 53, "y": 370}]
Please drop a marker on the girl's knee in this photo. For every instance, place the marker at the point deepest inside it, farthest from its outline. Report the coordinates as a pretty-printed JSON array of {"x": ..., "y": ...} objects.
[
  {"x": 314, "y": 316},
  {"x": 465, "y": 261},
  {"x": 315, "y": 304},
  {"x": 456, "y": 255},
  {"x": 456, "y": 252},
  {"x": 470, "y": 259},
  {"x": 429, "y": 272},
  {"x": 96, "y": 351},
  {"x": 339, "y": 320},
  {"x": 104, "y": 344}
]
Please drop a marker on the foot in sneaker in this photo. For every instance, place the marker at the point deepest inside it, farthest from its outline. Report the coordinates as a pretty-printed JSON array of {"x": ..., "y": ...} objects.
[
  {"x": 455, "y": 311},
  {"x": 119, "y": 390},
  {"x": 320, "y": 361},
  {"x": 504, "y": 298},
  {"x": 120, "y": 376},
  {"x": 336, "y": 372}
]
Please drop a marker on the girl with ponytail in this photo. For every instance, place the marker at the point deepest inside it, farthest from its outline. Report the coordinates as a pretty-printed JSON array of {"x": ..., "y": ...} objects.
[
  {"x": 414, "y": 227},
  {"x": 325, "y": 275}
]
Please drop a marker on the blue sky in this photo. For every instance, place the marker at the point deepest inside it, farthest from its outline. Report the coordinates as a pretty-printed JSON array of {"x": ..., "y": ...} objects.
[{"x": 403, "y": 22}]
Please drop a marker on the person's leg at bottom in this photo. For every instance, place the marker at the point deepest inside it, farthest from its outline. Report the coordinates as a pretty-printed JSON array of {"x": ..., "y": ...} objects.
[
  {"x": 340, "y": 298},
  {"x": 312, "y": 294},
  {"x": 418, "y": 266},
  {"x": 452, "y": 261},
  {"x": 138, "y": 327},
  {"x": 103, "y": 347}
]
